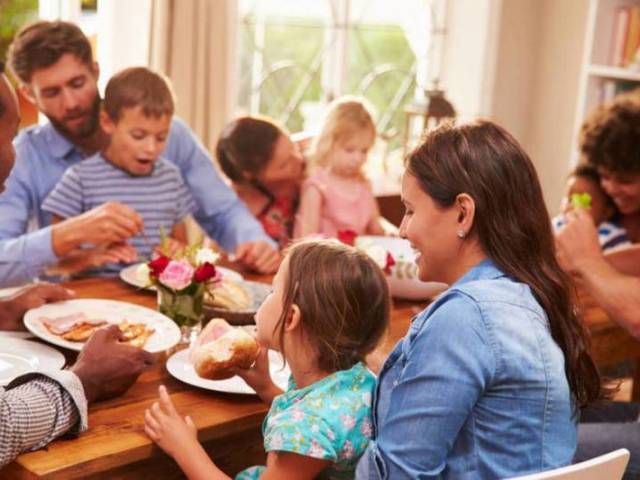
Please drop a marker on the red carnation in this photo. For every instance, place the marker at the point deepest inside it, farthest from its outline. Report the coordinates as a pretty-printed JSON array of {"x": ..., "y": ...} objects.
[
  {"x": 390, "y": 263},
  {"x": 347, "y": 236},
  {"x": 157, "y": 266},
  {"x": 204, "y": 272}
]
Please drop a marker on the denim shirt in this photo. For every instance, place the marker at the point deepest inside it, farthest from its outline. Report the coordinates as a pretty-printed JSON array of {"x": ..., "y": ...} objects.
[
  {"x": 476, "y": 389},
  {"x": 43, "y": 155}
]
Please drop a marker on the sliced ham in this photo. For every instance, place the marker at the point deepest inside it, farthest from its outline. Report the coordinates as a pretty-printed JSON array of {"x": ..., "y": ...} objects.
[{"x": 66, "y": 323}]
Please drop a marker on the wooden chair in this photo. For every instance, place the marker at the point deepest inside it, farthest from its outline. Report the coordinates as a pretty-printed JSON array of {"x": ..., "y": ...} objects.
[{"x": 609, "y": 466}]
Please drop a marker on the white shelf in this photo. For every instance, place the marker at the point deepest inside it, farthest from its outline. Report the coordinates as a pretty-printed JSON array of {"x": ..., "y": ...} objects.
[{"x": 614, "y": 73}]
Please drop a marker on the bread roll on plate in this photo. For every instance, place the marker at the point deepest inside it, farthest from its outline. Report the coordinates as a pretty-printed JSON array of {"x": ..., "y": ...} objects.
[{"x": 220, "y": 348}]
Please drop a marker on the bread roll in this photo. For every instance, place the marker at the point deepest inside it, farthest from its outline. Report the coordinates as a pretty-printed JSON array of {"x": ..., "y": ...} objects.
[
  {"x": 220, "y": 349},
  {"x": 230, "y": 295}
]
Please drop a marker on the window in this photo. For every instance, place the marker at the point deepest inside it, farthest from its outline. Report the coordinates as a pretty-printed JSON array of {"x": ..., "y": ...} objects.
[{"x": 297, "y": 55}]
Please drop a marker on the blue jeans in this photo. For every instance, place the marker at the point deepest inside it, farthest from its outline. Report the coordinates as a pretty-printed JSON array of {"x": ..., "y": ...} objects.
[{"x": 608, "y": 427}]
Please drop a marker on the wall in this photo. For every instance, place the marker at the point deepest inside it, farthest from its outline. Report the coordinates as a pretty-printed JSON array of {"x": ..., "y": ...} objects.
[
  {"x": 123, "y": 32},
  {"x": 469, "y": 55},
  {"x": 537, "y": 72},
  {"x": 517, "y": 59}
]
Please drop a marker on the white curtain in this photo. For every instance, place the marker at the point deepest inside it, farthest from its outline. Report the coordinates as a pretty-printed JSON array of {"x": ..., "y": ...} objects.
[{"x": 193, "y": 43}]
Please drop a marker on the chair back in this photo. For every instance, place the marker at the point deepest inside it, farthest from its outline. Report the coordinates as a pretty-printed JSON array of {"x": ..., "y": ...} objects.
[{"x": 609, "y": 466}]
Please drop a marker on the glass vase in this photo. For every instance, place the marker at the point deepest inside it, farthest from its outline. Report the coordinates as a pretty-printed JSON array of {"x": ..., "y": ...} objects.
[{"x": 184, "y": 307}]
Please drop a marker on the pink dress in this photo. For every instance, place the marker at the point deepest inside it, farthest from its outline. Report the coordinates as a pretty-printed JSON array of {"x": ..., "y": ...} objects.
[{"x": 340, "y": 209}]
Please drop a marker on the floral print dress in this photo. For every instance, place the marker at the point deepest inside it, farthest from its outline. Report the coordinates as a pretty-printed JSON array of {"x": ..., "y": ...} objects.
[{"x": 330, "y": 420}]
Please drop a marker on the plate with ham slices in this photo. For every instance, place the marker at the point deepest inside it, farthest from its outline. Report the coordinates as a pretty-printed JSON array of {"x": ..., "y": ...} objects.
[{"x": 71, "y": 323}]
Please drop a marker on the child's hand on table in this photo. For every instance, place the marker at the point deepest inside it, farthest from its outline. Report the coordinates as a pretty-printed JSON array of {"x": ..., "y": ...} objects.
[{"x": 173, "y": 433}]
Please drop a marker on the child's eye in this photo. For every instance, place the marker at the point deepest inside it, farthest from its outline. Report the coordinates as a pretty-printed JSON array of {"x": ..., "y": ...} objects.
[
  {"x": 161, "y": 138},
  {"x": 137, "y": 136}
]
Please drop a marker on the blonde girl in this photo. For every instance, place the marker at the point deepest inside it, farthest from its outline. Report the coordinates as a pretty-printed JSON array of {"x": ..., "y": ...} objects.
[
  {"x": 323, "y": 324},
  {"x": 337, "y": 196}
]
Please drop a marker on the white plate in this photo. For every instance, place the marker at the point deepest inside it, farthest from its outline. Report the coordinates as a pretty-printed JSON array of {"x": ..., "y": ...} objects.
[
  {"x": 21, "y": 356},
  {"x": 403, "y": 281},
  {"x": 165, "y": 336},
  {"x": 130, "y": 275},
  {"x": 181, "y": 368}
]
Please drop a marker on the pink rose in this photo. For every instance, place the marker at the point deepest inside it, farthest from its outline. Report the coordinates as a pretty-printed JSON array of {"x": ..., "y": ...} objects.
[{"x": 177, "y": 275}]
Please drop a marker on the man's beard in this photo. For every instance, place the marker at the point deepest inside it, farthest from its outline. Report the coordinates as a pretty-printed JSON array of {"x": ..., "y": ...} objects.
[{"x": 85, "y": 130}]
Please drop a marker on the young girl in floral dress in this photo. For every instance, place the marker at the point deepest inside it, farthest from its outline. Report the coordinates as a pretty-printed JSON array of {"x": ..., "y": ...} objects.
[
  {"x": 324, "y": 324},
  {"x": 337, "y": 196}
]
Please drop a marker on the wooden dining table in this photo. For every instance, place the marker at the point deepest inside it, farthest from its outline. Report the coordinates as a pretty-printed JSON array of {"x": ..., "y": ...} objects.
[{"x": 116, "y": 447}]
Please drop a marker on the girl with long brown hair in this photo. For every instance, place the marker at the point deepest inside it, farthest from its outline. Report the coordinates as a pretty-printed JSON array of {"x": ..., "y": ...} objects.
[
  {"x": 329, "y": 308},
  {"x": 490, "y": 377}
]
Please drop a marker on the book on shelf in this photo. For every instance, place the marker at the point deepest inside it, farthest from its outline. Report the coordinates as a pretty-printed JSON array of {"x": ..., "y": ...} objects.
[
  {"x": 620, "y": 29},
  {"x": 625, "y": 41}
]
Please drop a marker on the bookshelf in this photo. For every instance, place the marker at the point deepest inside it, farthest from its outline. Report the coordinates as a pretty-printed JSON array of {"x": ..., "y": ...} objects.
[{"x": 606, "y": 71}]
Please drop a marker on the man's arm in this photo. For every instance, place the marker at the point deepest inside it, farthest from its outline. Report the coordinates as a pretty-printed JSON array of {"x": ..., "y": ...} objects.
[
  {"x": 625, "y": 260},
  {"x": 35, "y": 409},
  {"x": 23, "y": 256},
  {"x": 580, "y": 254},
  {"x": 220, "y": 212}
]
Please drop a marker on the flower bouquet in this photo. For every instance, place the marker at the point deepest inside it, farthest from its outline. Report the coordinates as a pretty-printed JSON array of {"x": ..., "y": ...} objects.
[{"x": 181, "y": 282}]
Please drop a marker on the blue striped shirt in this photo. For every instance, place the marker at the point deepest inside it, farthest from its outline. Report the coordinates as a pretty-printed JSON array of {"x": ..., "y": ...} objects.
[
  {"x": 42, "y": 156},
  {"x": 161, "y": 198}
]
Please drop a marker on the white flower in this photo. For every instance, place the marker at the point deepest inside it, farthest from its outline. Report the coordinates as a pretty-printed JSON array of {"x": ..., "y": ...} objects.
[
  {"x": 276, "y": 442},
  {"x": 316, "y": 451},
  {"x": 348, "y": 421},
  {"x": 204, "y": 255},
  {"x": 297, "y": 414},
  {"x": 366, "y": 428},
  {"x": 347, "y": 450},
  {"x": 142, "y": 274}
]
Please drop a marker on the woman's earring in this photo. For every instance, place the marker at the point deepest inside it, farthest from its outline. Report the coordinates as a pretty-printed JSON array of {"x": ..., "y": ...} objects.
[{"x": 461, "y": 233}]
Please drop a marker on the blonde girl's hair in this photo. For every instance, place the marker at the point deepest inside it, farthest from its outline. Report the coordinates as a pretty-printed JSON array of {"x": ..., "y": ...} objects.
[
  {"x": 344, "y": 303},
  {"x": 346, "y": 117}
]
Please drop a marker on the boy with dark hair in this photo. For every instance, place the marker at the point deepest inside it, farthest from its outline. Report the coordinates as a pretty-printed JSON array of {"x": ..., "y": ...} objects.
[{"x": 136, "y": 113}]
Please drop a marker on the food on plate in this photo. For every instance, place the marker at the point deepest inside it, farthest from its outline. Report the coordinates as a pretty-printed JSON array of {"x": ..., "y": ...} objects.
[
  {"x": 135, "y": 334},
  {"x": 229, "y": 295},
  {"x": 220, "y": 348},
  {"x": 77, "y": 327}
]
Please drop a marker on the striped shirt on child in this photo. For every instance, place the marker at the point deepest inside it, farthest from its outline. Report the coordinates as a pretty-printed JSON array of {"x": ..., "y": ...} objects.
[
  {"x": 161, "y": 198},
  {"x": 610, "y": 234}
]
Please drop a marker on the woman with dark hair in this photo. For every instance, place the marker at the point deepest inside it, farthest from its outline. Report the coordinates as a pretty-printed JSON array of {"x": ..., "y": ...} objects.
[
  {"x": 490, "y": 377},
  {"x": 266, "y": 169}
]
